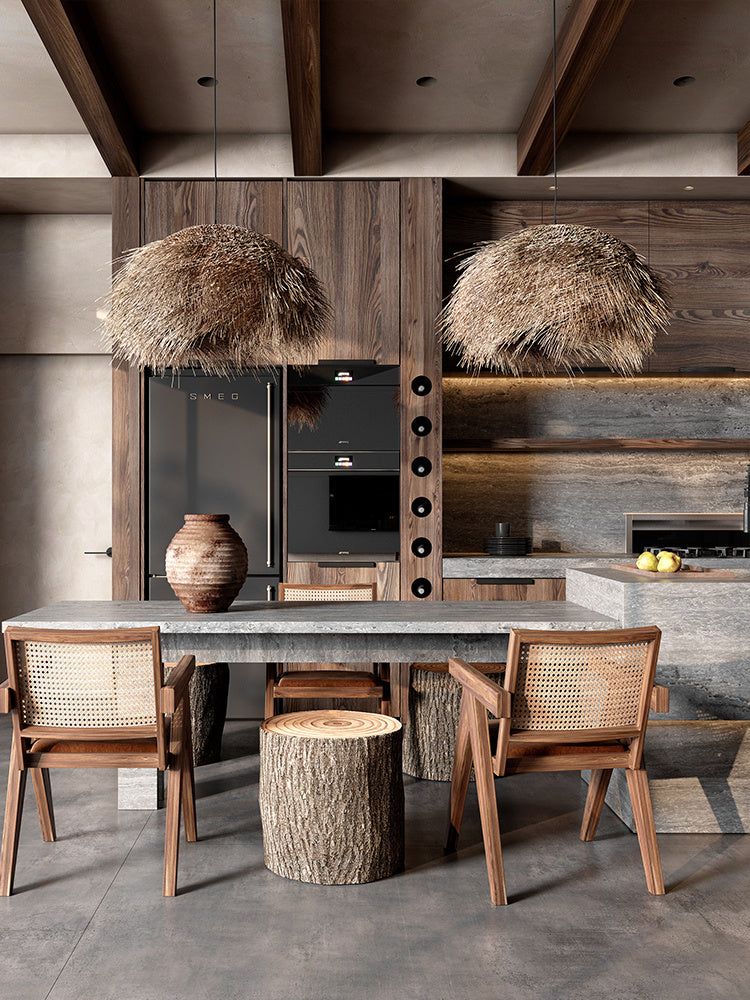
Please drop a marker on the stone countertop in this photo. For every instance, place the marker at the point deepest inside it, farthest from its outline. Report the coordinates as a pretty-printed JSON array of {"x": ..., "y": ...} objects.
[
  {"x": 704, "y": 657},
  {"x": 300, "y": 617},
  {"x": 474, "y": 565}
]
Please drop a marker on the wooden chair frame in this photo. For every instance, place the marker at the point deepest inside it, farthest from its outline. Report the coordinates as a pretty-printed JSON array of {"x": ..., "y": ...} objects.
[
  {"x": 315, "y": 684},
  {"x": 598, "y": 749},
  {"x": 166, "y": 745}
]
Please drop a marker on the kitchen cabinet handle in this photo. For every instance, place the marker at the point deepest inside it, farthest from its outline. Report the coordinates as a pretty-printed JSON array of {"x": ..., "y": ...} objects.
[
  {"x": 269, "y": 474},
  {"x": 500, "y": 581}
]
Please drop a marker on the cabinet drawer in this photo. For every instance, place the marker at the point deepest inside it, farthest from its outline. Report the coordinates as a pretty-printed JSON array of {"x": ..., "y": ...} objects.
[{"x": 506, "y": 588}]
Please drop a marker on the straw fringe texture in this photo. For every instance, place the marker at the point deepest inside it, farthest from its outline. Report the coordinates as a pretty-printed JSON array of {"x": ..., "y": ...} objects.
[
  {"x": 554, "y": 297},
  {"x": 219, "y": 298}
]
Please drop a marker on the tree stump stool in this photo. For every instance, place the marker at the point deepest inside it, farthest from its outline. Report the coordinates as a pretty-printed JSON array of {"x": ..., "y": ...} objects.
[
  {"x": 209, "y": 689},
  {"x": 434, "y": 707},
  {"x": 332, "y": 796}
]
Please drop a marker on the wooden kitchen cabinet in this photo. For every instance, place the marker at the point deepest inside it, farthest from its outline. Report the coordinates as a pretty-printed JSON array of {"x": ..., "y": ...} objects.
[
  {"x": 701, "y": 249},
  {"x": 384, "y": 574},
  {"x": 348, "y": 231},
  {"x": 485, "y": 589}
]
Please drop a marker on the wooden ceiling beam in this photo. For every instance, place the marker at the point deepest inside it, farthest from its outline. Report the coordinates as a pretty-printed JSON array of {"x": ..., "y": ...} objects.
[
  {"x": 301, "y": 21},
  {"x": 743, "y": 150},
  {"x": 583, "y": 43},
  {"x": 93, "y": 90}
]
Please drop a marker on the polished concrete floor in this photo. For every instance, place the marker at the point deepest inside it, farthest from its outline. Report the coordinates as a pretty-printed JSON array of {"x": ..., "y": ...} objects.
[{"x": 88, "y": 922}]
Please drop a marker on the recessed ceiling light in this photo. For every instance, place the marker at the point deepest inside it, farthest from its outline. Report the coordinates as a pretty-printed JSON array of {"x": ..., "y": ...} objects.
[
  {"x": 426, "y": 81},
  {"x": 689, "y": 187},
  {"x": 206, "y": 81},
  {"x": 683, "y": 81}
]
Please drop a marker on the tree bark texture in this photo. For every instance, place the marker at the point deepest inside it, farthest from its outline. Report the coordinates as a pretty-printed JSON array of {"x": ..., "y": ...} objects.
[
  {"x": 430, "y": 732},
  {"x": 209, "y": 689},
  {"x": 332, "y": 808}
]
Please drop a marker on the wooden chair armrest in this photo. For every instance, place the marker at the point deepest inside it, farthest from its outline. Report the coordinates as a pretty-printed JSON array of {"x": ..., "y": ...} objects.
[
  {"x": 659, "y": 698},
  {"x": 176, "y": 686},
  {"x": 6, "y": 696},
  {"x": 494, "y": 698}
]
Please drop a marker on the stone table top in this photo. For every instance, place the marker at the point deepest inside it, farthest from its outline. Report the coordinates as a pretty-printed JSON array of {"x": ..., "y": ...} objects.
[{"x": 319, "y": 617}]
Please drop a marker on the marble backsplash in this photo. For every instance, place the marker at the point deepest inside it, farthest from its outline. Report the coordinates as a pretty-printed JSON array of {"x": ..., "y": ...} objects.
[{"x": 575, "y": 501}]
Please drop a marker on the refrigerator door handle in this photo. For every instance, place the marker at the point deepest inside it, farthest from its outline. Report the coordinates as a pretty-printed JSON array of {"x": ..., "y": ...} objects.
[{"x": 269, "y": 474}]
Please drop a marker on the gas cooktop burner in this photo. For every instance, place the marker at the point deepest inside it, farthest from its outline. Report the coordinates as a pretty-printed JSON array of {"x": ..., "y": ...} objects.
[{"x": 709, "y": 552}]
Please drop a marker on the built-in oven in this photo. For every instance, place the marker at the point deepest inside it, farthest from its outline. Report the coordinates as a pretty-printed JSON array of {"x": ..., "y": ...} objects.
[
  {"x": 343, "y": 434},
  {"x": 343, "y": 504}
]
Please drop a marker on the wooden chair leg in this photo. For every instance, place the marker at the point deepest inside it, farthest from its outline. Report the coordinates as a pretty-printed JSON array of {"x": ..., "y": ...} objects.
[
  {"x": 459, "y": 775},
  {"x": 43, "y": 795},
  {"x": 485, "y": 779},
  {"x": 11, "y": 826},
  {"x": 645, "y": 828},
  {"x": 384, "y": 673},
  {"x": 188, "y": 782},
  {"x": 172, "y": 833},
  {"x": 598, "y": 785}
]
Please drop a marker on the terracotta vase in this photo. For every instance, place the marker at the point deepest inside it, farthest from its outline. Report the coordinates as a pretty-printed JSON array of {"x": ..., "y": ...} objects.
[{"x": 206, "y": 563}]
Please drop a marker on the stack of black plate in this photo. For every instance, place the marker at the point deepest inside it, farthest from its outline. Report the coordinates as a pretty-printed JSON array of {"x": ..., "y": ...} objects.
[{"x": 504, "y": 545}]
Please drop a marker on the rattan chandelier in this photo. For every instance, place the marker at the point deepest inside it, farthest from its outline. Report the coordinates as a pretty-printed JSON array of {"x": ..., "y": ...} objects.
[
  {"x": 554, "y": 297},
  {"x": 216, "y": 298}
]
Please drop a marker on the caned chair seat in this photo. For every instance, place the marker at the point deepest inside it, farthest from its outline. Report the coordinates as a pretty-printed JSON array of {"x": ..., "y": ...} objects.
[
  {"x": 568, "y": 701},
  {"x": 82, "y": 698},
  {"x": 325, "y": 683}
]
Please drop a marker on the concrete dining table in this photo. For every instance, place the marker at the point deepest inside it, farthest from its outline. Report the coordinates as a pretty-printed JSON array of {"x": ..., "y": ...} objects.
[{"x": 396, "y": 632}]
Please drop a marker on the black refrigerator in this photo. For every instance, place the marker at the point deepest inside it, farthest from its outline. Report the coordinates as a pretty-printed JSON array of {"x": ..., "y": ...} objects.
[{"x": 213, "y": 447}]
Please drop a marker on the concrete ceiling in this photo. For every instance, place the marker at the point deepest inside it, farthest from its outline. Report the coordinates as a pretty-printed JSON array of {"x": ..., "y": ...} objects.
[{"x": 486, "y": 57}]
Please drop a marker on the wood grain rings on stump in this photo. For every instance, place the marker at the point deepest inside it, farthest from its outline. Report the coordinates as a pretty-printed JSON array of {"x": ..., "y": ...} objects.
[
  {"x": 430, "y": 732},
  {"x": 332, "y": 796}
]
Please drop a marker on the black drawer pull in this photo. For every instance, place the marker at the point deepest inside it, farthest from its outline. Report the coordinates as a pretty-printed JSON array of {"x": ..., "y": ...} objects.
[
  {"x": 346, "y": 565},
  {"x": 503, "y": 581}
]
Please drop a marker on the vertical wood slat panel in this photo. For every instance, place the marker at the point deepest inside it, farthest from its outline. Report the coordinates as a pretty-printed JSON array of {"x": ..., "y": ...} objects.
[
  {"x": 127, "y": 421},
  {"x": 348, "y": 232},
  {"x": 421, "y": 272}
]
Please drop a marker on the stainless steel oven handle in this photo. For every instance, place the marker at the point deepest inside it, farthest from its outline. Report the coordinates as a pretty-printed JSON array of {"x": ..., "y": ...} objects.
[{"x": 269, "y": 474}]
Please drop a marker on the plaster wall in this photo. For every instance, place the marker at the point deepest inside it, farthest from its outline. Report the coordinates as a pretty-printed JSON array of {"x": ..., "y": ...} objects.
[{"x": 55, "y": 411}]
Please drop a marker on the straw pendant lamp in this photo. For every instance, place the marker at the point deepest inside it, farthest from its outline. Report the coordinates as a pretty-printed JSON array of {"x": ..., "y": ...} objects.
[
  {"x": 554, "y": 297},
  {"x": 216, "y": 298}
]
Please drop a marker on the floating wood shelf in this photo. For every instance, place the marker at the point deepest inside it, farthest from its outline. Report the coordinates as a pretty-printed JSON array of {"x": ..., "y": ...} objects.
[{"x": 594, "y": 444}]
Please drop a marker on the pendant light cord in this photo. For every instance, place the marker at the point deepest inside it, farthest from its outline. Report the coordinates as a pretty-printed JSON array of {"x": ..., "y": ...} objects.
[
  {"x": 554, "y": 102},
  {"x": 216, "y": 84}
]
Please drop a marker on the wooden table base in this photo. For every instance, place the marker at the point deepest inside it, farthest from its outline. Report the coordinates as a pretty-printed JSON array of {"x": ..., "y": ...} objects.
[{"x": 332, "y": 796}]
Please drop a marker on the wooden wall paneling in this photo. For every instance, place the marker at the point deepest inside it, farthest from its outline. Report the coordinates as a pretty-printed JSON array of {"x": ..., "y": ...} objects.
[
  {"x": 128, "y": 572},
  {"x": 626, "y": 220},
  {"x": 173, "y": 205},
  {"x": 421, "y": 269},
  {"x": 703, "y": 251},
  {"x": 348, "y": 231},
  {"x": 542, "y": 589}
]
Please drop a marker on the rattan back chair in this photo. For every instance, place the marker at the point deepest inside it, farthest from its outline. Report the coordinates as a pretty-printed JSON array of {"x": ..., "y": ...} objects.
[
  {"x": 570, "y": 701},
  {"x": 81, "y": 698},
  {"x": 324, "y": 682}
]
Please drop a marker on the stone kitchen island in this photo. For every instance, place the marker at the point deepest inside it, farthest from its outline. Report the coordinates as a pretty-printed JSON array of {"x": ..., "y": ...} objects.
[{"x": 699, "y": 755}]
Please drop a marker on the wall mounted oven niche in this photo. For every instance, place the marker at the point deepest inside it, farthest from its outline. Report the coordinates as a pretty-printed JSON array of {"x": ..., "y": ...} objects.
[{"x": 343, "y": 461}]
